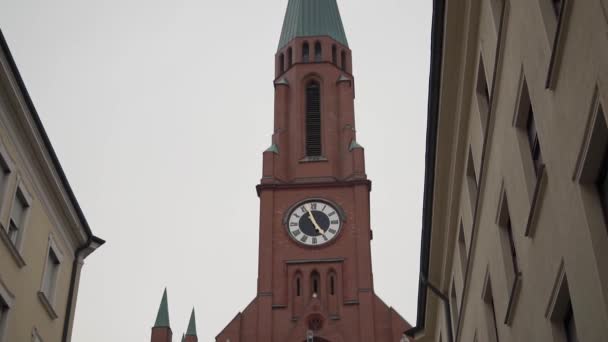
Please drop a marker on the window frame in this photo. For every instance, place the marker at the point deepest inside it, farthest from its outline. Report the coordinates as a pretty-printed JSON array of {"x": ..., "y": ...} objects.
[
  {"x": 305, "y": 52},
  {"x": 48, "y": 300},
  {"x": 318, "y": 57}
]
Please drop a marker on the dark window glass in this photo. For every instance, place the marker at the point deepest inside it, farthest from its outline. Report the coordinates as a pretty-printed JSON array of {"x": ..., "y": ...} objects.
[
  {"x": 332, "y": 285},
  {"x": 343, "y": 65},
  {"x": 315, "y": 283},
  {"x": 483, "y": 94},
  {"x": 334, "y": 55},
  {"x": 298, "y": 287},
  {"x": 494, "y": 320},
  {"x": 318, "y": 52},
  {"x": 558, "y": 5},
  {"x": 537, "y": 157},
  {"x": 509, "y": 229},
  {"x": 289, "y": 57},
  {"x": 305, "y": 53},
  {"x": 313, "y": 120},
  {"x": 570, "y": 326},
  {"x": 603, "y": 185},
  {"x": 282, "y": 62}
]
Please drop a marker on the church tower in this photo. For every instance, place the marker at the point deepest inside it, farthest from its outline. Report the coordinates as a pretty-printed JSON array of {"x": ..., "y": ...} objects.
[{"x": 315, "y": 273}]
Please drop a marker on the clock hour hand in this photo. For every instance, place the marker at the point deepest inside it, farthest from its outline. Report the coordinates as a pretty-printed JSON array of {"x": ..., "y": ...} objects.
[{"x": 314, "y": 222}]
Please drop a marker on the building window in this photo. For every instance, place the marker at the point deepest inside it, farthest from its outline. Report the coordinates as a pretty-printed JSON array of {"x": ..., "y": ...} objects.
[
  {"x": 483, "y": 94},
  {"x": 305, "y": 53},
  {"x": 3, "y": 317},
  {"x": 18, "y": 214},
  {"x": 343, "y": 61},
  {"x": 462, "y": 250},
  {"x": 313, "y": 120},
  {"x": 531, "y": 128},
  {"x": 6, "y": 303},
  {"x": 454, "y": 306},
  {"x": 314, "y": 282},
  {"x": 507, "y": 239},
  {"x": 561, "y": 310},
  {"x": 603, "y": 186},
  {"x": 36, "y": 337},
  {"x": 332, "y": 284},
  {"x": 318, "y": 52},
  {"x": 51, "y": 272},
  {"x": 281, "y": 63},
  {"x": 558, "y": 6},
  {"x": 490, "y": 309},
  {"x": 570, "y": 326},
  {"x": 334, "y": 54},
  {"x": 601, "y": 129},
  {"x": 471, "y": 180},
  {"x": 298, "y": 286},
  {"x": 5, "y": 172},
  {"x": 289, "y": 57}
]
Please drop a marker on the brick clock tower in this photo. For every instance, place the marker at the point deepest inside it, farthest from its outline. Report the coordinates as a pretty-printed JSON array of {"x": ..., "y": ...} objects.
[{"x": 315, "y": 278}]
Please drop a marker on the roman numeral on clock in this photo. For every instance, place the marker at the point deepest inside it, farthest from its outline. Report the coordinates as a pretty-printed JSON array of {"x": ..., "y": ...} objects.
[{"x": 333, "y": 231}]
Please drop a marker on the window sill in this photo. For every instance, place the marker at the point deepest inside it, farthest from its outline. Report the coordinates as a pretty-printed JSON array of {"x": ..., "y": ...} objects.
[
  {"x": 46, "y": 304},
  {"x": 537, "y": 200},
  {"x": 11, "y": 247},
  {"x": 313, "y": 159}
]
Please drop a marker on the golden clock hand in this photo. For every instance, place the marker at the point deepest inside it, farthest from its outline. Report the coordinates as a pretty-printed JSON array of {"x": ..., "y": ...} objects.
[{"x": 311, "y": 217}]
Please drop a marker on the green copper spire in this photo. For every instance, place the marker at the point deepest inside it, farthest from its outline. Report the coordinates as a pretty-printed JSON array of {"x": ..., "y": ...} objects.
[
  {"x": 192, "y": 325},
  {"x": 162, "y": 318},
  {"x": 306, "y": 18}
]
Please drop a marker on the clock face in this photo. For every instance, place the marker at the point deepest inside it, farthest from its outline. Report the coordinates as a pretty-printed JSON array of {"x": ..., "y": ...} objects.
[{"x": 314, "y": 223}]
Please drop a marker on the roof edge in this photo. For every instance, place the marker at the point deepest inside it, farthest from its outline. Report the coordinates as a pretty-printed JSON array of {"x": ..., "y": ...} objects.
[
  {"x": 437, "y": 36},
  {"x": 47, "y": 142}
]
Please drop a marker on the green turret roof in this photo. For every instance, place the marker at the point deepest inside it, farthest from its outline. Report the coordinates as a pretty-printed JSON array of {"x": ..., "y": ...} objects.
[
  {"x": 162, "y": 318},
  {"x": 192, "y": 325},
  {"x": 306, "y": 18}
]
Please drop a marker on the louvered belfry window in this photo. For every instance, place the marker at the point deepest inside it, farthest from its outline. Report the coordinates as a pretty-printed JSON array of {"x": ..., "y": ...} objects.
[{"x": 313, "y": 120}]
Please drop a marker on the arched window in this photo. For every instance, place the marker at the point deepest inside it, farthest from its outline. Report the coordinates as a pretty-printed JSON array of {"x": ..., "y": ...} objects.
[
  {"x": 318, "y": 52},
  {"x": 332, "y": 284},
  {"x": 282, "y": 63},
  {"x": 315, "y": 282},
  {"x": 298, "y": 286},
  {"x": 289, "y": 57},
  {"x": 313, "y": 119},
  {"x": 334, "y": 54},
  {"x": 305, "y": 52},
  {"x": 343, "y": 60}
]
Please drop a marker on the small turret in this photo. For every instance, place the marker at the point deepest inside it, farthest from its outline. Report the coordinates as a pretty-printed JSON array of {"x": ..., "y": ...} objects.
[
  {"x": 161, "y": 332},
  {"x": 191, "y": 335}
]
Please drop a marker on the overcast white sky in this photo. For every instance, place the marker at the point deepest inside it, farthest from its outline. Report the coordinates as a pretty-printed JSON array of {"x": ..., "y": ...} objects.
[{"x": 138, "y": 98}]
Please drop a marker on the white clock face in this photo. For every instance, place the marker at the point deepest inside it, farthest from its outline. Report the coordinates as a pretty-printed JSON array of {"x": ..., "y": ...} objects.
[{"x": 314, "y": 223}]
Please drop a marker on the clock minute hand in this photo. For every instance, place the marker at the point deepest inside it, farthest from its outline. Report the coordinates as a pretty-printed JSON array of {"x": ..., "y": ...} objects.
[{"x": 314, "y": 222}]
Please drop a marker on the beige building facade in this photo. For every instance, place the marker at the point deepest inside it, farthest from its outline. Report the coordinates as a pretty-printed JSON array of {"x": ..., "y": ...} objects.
[
  {"x": 515, "y": 237},
  {"x": 44, "y": 236}
]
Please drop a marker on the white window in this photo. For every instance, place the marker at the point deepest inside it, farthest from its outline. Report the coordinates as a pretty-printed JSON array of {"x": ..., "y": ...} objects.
[
  {"x": 18, "y": 215},
  {"x": 50, "y": 275}
]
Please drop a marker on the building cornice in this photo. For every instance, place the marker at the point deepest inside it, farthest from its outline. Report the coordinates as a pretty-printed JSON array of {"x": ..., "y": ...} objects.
[{"x": 50, "y": 157}]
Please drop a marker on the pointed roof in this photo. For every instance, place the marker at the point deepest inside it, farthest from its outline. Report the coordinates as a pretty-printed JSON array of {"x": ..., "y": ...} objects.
[
  {"x": 192, "y": 325},
  {"x": 306, "y": 18},
  {"x": 162, "y": 318}
]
